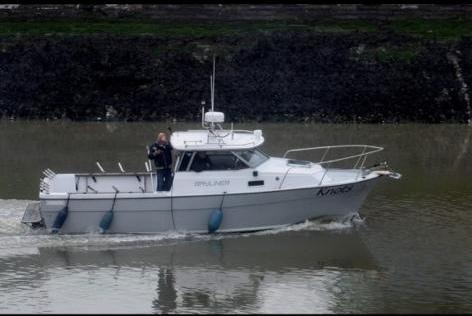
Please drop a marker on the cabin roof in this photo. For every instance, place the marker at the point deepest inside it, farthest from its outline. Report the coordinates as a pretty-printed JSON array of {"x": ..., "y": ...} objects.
[{"x": 199, "y": 140}]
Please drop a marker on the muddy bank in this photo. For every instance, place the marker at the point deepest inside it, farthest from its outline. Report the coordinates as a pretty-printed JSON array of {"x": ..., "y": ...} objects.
[{"x": 278, "y": 76}]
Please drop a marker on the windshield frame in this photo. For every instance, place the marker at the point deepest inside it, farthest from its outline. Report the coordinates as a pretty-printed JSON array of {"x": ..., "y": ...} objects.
[{"x": 251, "y": 165}]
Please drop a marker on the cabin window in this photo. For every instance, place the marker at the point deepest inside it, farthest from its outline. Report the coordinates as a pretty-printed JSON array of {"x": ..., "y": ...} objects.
[
  {"x": 253, "y": 157},
  {"x": 216, "y": 160},
  {"x": 185, "y": 160}
]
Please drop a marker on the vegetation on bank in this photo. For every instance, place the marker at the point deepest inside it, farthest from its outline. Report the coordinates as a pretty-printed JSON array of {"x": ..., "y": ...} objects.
[
  {"x": 131, "y": 27},
  {"x": 328, "y": 71},
  {"x": 442, "y": 29}
]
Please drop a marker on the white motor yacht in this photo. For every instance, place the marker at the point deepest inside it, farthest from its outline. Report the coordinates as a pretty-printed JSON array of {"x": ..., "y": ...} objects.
[{"x": 238, "y": 188}]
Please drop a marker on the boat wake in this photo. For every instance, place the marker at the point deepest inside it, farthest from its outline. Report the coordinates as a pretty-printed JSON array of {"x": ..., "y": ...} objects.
[
  {"x": 18, "y": 239},
  {"x": 323, "y": 224}
]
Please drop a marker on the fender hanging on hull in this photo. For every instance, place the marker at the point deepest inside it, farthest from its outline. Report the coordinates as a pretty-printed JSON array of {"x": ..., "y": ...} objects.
[
  {"x": 216, "y": 216},
  {"x": 214, "y": 221},
  {"x": 60, "y": 217},
  {"x": 105, "y": 223},
  {"x": 107, "y": 218},
  {"x": 59, "y": 220}
]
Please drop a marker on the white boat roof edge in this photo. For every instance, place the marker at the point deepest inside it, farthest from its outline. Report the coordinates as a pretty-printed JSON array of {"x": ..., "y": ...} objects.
[{"x": 224, "y": 140}]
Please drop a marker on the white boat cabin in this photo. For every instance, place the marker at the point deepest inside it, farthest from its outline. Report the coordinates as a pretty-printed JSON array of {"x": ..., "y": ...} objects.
[{"x": 214, "y": 161}]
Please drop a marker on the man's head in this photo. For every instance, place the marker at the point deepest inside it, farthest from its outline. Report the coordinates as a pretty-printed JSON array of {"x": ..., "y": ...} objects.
[{"x": 161, "y": 137}]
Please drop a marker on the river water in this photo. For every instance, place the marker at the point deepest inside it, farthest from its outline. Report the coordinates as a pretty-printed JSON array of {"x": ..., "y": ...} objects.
[{"x": 409, "y": 250}]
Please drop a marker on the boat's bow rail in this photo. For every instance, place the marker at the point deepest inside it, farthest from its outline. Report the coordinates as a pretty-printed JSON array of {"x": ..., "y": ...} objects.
[
  {"x": 357, "y": 153},
  {"x": 365, "y": 150}
]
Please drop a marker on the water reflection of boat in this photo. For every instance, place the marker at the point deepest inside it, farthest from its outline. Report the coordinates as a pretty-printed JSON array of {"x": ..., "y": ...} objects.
[
  {"x": 273, "y": 252},
  {"x": 226, "y": 272}
]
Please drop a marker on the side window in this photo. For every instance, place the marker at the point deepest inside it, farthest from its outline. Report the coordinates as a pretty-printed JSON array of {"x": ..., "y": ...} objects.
[
  {"x": 186, "y": 156},
  {"x": 216, "y": 160},
  {"x": 201, "y": 162},
  {"x": 222, "y": 161}
]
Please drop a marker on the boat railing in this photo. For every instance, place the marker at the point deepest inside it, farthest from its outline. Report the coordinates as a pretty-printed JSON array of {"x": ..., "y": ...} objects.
[{"x": 359, "y": 162}]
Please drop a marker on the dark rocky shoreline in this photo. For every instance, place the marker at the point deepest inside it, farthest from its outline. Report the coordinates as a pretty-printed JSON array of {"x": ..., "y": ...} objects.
[{"x": 282, "y": 77}]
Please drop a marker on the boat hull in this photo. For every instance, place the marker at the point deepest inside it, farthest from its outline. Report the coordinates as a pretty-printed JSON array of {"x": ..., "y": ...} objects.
[{"x": 153, "y": 213}]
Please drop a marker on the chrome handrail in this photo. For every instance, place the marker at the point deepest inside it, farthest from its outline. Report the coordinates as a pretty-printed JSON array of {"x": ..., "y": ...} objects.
[
  {"x": 366, "y": 150},
  {"x": 375, "y": 149}
]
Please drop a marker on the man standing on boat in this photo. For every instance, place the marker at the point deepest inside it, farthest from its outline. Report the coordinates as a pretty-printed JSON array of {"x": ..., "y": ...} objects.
[{"x": 161, "y": 153}]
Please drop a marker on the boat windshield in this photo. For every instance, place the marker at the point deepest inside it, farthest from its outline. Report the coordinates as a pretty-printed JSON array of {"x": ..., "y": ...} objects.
[{"x": 253, "y": 157}]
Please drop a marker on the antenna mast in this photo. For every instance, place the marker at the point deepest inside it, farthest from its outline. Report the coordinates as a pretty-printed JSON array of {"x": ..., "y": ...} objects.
[
  {"x": 211, "y": 118},
  {"x": 212, "y": 85}
]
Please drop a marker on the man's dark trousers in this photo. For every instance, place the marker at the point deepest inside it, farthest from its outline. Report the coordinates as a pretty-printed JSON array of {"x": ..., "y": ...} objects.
[{"x": 164, "y": 179}]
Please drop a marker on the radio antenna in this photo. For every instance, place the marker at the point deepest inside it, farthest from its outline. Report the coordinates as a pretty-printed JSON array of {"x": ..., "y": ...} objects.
[{"x": 212, "y": 85}]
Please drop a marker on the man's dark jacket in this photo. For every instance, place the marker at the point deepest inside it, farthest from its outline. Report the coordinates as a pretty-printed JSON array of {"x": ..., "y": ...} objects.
[{"x": 164, "y": 159}]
